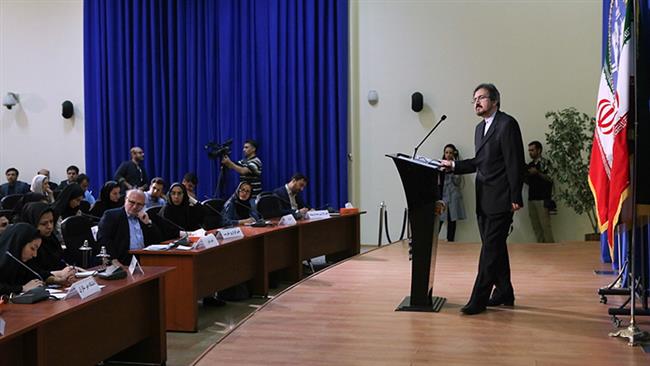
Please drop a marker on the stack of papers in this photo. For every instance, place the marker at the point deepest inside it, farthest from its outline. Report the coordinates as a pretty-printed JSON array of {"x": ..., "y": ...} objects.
[{"x": 155, "y": 247}]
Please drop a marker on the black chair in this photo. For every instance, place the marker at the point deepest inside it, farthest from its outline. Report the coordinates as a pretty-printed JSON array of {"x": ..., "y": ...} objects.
[
  {"x": 167, "y": 229},
  {"x": 212, "y": 209},
  {"x": 84, "y": 206},
  {"x": 269, "y": 206},
  {"x": 76, "y": 230},
  {"x": 153, "y": 211},
  {"x": 9, "y": 202}
]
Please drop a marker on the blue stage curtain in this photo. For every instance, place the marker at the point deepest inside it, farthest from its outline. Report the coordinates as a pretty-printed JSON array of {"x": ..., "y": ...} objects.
[{"x": 171, "y": 76}]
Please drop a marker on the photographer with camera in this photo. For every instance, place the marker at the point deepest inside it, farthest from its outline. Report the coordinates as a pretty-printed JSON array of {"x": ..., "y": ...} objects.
[{"x": 249, "y": 168}]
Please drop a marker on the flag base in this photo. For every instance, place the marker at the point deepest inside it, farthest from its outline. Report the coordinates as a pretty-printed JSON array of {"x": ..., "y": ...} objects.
[{"x": 633, "y": 334}]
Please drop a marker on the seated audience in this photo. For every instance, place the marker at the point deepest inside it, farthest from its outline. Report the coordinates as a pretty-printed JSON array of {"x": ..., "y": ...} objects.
[
  {"x": 291, "y": 200},
  {"x": 19, "y": 273},
  {"x": 40, "y": 184},
  {"x": 13, "y": 185},
  {"x": 72, "y": 171},
  {"x": 109, "y": 198},
  {"x": 240, "y": 208},
  {"x": 190, "y": 181},
  {"x": 179, "y": 211},
  {"x": 46, "y": 172},
  {"x": 154, "y": 196},
  {"x": 127, "y": 228},
  {"x": 50, "y": 253},
  {"x": 83, "y": 181}
]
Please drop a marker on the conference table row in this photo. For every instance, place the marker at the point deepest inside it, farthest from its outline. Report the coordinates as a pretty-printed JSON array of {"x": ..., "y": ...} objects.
[
  {"x": 126, "y": 321},
  {"x": 252, "y": 259},
  {"x": 123, "y": 322}
]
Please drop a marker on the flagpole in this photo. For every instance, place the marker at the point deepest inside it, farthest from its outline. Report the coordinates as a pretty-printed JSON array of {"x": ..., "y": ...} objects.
[{"x": 633, "y": 333}]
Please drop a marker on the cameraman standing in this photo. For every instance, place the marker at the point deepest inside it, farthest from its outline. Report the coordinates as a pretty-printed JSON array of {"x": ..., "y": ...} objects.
[{"x": 249, "y": 168}]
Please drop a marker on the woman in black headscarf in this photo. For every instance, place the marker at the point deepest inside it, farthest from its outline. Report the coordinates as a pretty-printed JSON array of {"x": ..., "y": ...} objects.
[
  {"x": 179, "y": 211},
  {"x": 50, "y": 253},
  {"x": 240, "y": 208},
  {"x": 18, "y": 273},
  {"x": 66, "y": 205},
  {"x": 109, "y": 198}
]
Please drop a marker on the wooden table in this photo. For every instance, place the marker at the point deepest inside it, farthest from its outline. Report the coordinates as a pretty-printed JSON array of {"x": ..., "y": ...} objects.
[
  {"x": 123, "y": 322},
  {"x": 202, "y": 272}
]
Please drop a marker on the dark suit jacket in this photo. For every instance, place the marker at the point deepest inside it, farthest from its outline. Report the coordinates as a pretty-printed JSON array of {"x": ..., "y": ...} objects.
[
  {"x": 285, "y": 202},
  {"x": 20, "y": 187},
  {"x": 499, "y": 165},
  {"x": 114, "y": 234},
  {"x": 128, "y": 171}
]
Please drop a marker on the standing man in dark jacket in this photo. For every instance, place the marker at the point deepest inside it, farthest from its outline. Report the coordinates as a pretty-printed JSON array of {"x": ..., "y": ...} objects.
[
  {"x": 499, "y": 166},
  {"x": 131, "y": 173}
]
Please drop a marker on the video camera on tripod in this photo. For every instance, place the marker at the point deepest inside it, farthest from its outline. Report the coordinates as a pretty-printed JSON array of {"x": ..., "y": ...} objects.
[{"x": 218, "y": 151}]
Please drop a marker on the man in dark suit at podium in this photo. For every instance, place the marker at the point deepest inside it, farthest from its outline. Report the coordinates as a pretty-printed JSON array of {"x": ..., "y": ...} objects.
[{"x": 499, "y": 165}]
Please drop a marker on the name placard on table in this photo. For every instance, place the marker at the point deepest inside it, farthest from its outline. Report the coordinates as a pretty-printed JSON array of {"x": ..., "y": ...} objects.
[
  {"x": 208, "y": 241},
  {"x": 135, "y": 265},
  {"x": 230, "y": 233},
  {"x": 84, "y": 288},
  {"x": 287, "y": 220},
  {"x": 317, "y": 215}
]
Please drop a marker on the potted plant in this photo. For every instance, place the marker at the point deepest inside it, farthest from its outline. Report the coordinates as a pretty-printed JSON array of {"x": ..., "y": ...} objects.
[{"x": 569, "y": 148}]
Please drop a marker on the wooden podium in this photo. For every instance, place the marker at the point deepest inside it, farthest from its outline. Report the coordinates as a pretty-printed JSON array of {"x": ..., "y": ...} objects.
[{"x": 420, "y": 179}]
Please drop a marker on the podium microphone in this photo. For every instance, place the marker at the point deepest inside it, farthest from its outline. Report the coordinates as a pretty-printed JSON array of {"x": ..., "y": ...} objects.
[
  {"x": 444, "y": 117},
  {"x": 182, "y": 241}
]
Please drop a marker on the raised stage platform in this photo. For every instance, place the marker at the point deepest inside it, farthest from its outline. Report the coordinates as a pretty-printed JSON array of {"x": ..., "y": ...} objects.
[{"x": 345, "y": 315}]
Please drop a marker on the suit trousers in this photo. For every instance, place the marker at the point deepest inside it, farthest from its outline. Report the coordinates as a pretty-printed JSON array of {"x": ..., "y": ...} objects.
[{"x": 494, "y": 264}]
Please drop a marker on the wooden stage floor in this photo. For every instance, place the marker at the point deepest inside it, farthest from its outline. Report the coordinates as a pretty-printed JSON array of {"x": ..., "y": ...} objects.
[{"x": 345, "y": 315}]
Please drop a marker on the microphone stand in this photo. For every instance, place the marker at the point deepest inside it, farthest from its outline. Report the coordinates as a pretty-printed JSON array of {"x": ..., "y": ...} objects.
[
  {"x": 182, "y": 241},
  {"x": 429, "y": 134},
  {"x": 217, "y": 212},
  {"x": 296, "y": 214},
  {"x": 258, "y": 222}
]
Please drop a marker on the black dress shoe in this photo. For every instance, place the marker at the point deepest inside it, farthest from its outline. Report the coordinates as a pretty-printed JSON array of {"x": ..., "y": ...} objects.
[
  {"x": 501, "y": 301},
  {"x": 472, "y": 309}
]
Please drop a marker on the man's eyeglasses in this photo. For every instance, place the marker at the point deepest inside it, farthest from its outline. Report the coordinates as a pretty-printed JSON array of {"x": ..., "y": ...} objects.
[
  {"x": 136, "y": 204},
  {"x": 245, "y": 191},
  {"x": 480, "y": 98}
]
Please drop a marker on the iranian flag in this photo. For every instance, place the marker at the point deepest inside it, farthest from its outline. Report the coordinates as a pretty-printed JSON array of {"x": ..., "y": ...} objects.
[{"x": 609, "y": 167}]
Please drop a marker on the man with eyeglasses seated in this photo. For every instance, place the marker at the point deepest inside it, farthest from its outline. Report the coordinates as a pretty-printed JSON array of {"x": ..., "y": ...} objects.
[{"x": 127, "y": 228}]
